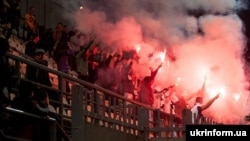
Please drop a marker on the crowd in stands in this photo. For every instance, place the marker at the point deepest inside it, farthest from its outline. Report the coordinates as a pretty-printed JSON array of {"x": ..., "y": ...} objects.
[
  {"x": 73, "y": 52},
  {"x": 10, "y": 17}
]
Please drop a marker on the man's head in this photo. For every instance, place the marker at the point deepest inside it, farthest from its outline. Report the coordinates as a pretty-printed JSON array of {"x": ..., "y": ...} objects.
[
  {"x": 199, "y": 100},
  {"x": 59, "y": 26},
  {"x": 148, "y": 81},
  {"x": 42, "y": 96},
  {"x": 39, "y": 53}
]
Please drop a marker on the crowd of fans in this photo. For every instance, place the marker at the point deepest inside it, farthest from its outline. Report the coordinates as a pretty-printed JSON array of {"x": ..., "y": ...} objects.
[{"x": 73, "y": 51}]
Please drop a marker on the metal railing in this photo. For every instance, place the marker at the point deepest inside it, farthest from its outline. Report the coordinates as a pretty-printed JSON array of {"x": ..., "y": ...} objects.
[
  {"x": 91, "y": 108},
  {"x": 15, "y": 113}
]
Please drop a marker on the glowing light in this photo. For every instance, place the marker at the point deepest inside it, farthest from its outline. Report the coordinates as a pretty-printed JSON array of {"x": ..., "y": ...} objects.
[
  {"x": 178, "y": 79},
  {"x": 81, "y": 8},
  {"x": 214, "y": 91},
  {"x": 162, "y": 56},
  {"x": 236, "y": 97},
  {"x": 138, "y": 48},
  {"x": 222, "y": 90}
]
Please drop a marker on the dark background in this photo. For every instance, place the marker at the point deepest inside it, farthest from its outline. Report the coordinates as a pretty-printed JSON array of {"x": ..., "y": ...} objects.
[{"x": 245, "y": 16}]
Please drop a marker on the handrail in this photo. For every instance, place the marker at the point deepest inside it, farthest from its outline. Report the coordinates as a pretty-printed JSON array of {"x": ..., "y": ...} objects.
[
  {"x": 10, "y": 138},
  {"x": 16, "y": 111},
  {"x": 95, "y": 88},
  {"x": 22, "y": 59},
  {"x": 84, "y": 83},
  {"x": 21, "y": 53},
  {"x": 52, "y": 122},
  {"x": 62, "y": 132}
]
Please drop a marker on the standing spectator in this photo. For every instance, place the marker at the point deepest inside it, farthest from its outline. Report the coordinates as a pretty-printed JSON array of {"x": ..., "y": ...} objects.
[
  {"x": 31, "y": 46},
  {"x": 81, "y": 62},
  {"x": 57, "y": 32},
  {"x": 146, "y": 93},
  {"x": 30, "y": 24},
  {"x": 38, "y": 75},
  {"x": 61, "y": 56},
  {"x": 75, "y": 43},
  {"x": 62, "y": 53},
  {"x": 93, "y": 64},
  {"x": 124, "y": 72},
  {"x": 199, "y": 107},
  {"x": 106, "y": 75}
]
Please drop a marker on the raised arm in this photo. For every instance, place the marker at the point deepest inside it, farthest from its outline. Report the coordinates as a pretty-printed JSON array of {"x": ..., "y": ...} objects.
[
  {"x": 210, "y": 102},
  {"x": 154, "y": 73}
]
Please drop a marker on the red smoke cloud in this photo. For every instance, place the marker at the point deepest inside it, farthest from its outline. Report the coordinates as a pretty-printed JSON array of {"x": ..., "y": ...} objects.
[{"x": 216, "y": 52}]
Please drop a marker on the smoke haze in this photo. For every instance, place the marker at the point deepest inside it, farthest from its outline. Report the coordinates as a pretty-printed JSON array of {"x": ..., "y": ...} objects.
[{"x": 201, "y": 38}]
